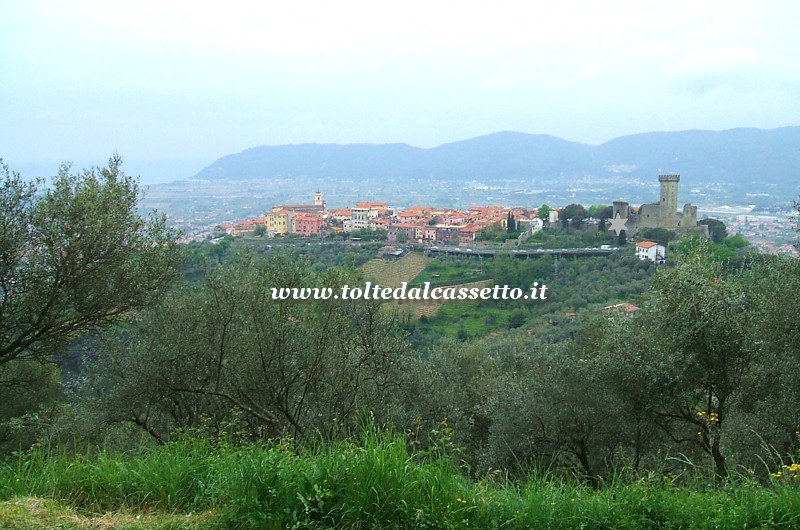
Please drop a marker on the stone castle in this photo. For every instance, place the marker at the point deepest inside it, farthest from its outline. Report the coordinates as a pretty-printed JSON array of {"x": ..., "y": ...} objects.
[{"x": 661, "y": 214}]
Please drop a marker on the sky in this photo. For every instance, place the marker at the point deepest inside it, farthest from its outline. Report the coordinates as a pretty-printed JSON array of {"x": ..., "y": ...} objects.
[{"x": 172, "y": 86}]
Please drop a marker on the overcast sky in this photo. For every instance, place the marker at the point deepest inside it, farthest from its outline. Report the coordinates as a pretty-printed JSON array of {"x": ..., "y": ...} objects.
[{"x": 173, "y": 86}]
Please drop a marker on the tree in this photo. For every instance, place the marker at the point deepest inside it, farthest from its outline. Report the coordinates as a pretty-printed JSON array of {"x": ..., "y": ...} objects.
[
  {"x": 543, "y": 213},
  {"x": 716, "y": 229},
  {"x": 511, "y": 223},
  {"x": 553, "y": 408},
  {"x": 75, "y": 256},
  {"x": 228, "y": 349},
  {"x": 660, "y": 235},
  {"x": 516, "y": 319},
  {"x": 698, "y": 324},
  {"x": 574, "y": 213},
  {"x": 493, "y": 232},
  {"x": 601, "y": 211}
]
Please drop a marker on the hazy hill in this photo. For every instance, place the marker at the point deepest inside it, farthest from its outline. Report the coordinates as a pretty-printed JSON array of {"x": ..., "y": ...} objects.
[{"x": 736, "y": 156}]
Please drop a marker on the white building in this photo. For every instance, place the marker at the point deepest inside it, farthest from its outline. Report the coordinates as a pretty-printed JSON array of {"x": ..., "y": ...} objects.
[{"x": 651, "y": 250}]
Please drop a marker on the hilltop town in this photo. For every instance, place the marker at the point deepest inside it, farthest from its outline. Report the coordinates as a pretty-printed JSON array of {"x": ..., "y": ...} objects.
[
  {"x": 425, "y": 224},
  {"x": 416, "y": 224}
]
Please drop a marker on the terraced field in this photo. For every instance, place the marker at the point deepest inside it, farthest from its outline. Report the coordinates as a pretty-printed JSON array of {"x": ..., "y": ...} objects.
[
  {"x": 393, "y": 273},
  {"x": 429, "y": 308}
]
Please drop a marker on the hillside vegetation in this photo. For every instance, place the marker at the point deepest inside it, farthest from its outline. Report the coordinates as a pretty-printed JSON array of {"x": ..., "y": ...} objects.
[{"x": 142, "y": 381}]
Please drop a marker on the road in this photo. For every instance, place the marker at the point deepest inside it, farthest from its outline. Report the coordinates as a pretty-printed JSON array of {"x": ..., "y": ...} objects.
[{"x": 525, "y": 253}]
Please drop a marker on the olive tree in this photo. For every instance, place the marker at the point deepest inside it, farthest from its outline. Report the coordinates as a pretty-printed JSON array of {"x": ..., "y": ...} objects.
[
  {"x": 697, "y": 324},
  {"x": 74, "y": 256},
  {"x": 285, "y": 366}
]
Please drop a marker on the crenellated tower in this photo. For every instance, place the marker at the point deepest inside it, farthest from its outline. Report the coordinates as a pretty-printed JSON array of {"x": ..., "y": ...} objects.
[{"x": 668, "y": 205}]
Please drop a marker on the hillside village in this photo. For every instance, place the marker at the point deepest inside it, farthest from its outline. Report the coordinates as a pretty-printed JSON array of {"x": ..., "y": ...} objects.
[
  {"x": 429, "y": 225},
  {"x": 424, "y": 224},
  {"x": 420, "y": 224}
]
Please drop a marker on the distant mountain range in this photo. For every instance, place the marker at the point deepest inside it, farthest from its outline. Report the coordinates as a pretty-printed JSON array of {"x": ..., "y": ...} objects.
[{"x": 742, "y": 157}]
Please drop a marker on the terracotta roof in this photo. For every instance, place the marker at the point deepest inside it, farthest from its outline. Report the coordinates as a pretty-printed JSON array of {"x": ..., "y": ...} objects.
[
  {"x": 369, "y": 204},
  {"x": 646, "y": 244}
]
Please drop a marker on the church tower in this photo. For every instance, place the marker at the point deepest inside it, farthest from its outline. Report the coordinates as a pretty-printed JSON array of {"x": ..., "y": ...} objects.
[{"x": 318, "y": 200}]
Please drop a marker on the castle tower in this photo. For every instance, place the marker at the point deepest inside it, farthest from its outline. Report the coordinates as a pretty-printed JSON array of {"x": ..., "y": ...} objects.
[
  {"x": 318, "y": 200},
  {"x": 620, "y": 208},
  {"x": 668, "y": 205}
]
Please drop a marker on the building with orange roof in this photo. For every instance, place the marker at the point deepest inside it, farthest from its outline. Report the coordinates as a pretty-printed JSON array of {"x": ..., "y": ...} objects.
[
  {"x": 380, "y": 224},
  {"x": 340, "y": 214},
  {"x": 308, "y": 225},
  {"x": 414, "y": 213},
  {"x": 371, "y": 204},
  {"x": 470, "y": 232},
  {"x": 402, "y": 232},
  {"x": 245, "y": 227},
  {"x": 278, "y": 222},
  {"x": 363, "y": 215},
  {"x": 650, "y": 250},
  {"x": 227, "y": 227}
]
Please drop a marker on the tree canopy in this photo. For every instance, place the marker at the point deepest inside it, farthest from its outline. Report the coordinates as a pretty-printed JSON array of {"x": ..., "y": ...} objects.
[
  {"x": 716, "y": 229},
  {"x": 73, "y": 256}
]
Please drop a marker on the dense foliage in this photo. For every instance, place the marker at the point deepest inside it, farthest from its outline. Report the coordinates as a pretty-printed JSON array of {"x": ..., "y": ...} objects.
[
  {"x": 261, "y": 391},
  {"x": 74, "y": 256}
]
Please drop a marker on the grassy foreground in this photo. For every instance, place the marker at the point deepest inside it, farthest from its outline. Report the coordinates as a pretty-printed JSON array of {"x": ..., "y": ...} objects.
[{"x": 191, "y": 484}]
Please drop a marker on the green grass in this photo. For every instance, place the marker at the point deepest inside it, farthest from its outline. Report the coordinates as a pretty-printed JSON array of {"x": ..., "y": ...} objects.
[
  {"x": 440, "y": 271},
  {"x": 371, "y": 484},
  {"x": 33, "y": 513},
  {"x": 476, "y": 320}
]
